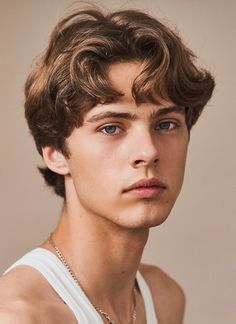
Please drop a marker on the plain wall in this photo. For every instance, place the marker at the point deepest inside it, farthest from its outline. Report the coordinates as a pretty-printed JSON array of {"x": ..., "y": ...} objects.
[{"x": 196, "y": 245}]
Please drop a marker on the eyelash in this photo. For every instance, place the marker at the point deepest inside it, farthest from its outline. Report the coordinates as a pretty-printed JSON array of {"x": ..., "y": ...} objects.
[
  {"x": 175, "y": 125},
  {"x": 104, "y": 127}
]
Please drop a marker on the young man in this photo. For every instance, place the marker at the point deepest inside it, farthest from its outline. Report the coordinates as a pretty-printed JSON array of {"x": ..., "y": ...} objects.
[{"x": 110, "y": 105}]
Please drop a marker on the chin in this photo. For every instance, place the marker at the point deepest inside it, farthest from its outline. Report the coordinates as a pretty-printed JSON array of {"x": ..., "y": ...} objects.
[
  {"x": 144, "y": 219},
  {"x": 147, "y": 213},
  {"x": 148, "y": 223}
]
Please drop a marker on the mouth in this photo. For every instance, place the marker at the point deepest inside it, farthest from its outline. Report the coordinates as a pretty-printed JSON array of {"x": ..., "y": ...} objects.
[{"x": 146, "y": 188}]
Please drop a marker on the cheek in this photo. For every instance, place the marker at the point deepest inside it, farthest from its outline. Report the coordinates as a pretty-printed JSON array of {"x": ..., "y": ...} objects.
[
  {"x": 176, "y": 159},
  {"x": 102, "y": 158},
  {"x": 92, "y": 166},
  {"x": 180, "y": 166}
]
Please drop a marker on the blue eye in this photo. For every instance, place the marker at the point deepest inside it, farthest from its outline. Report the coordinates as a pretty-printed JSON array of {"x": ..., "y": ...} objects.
[
  {"x": 109, "y": 130},
  {"x": 166, "y": 125}
]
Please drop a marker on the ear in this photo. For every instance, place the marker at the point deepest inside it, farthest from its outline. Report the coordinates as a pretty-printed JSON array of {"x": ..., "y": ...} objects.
[{"x": 55, "y": 160}]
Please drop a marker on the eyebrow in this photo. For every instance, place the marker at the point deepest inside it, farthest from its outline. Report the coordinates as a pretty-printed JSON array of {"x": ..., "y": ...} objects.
[{"x": 133, "y": 117}]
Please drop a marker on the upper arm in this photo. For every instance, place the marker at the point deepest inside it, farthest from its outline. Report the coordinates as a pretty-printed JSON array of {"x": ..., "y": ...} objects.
[{"x": 168, "y": 296}]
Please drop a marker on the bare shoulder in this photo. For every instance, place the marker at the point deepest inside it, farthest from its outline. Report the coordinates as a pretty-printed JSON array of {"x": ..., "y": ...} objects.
[
  {"x": 26, "y": 297},
  {"x": 14, "y": 307},
  {"x": 168, "y": 296}
]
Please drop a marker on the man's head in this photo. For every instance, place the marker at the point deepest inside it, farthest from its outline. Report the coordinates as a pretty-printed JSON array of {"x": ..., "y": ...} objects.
[{"x": 71, "y": 77}]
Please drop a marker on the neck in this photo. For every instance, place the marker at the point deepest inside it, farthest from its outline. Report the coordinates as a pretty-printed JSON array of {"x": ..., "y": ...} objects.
[{"x": 103, "y": 256}]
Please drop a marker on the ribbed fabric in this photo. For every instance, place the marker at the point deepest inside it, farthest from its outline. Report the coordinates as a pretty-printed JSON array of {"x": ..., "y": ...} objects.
[{"x": 59, "y": 278}]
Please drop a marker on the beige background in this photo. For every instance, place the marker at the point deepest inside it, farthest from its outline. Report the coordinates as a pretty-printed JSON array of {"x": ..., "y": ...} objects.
[{"x": 197, "y": 243}]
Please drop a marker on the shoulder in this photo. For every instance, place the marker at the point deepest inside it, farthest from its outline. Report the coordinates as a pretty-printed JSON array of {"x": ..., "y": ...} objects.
[
  {"x": 14, "y": 308},
  {"x": 168, "y": 296},
  {"x": 26, "y": 297}
]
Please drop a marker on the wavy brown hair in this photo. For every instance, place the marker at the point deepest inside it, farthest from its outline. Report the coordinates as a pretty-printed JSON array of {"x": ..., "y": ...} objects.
[{"x": 70, "y": 78}]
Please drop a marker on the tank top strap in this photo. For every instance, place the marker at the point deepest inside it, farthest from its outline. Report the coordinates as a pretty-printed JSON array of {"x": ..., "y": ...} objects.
[{"x": 148, "y": 301}]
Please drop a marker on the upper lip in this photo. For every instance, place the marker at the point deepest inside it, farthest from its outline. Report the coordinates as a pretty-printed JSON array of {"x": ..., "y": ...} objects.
[{"x": 146, "y": 183}]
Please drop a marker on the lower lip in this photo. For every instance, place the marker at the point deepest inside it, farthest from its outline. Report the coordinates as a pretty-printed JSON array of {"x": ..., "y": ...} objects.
[{"x": 147, "y": 192}]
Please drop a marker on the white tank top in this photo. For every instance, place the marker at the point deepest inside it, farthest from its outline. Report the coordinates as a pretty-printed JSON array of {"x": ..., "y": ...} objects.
[{"x": 59, "y": 278}]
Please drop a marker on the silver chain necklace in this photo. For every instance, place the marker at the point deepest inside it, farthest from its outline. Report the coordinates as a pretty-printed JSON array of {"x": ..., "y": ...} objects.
[{"x": 100, "y": 311}]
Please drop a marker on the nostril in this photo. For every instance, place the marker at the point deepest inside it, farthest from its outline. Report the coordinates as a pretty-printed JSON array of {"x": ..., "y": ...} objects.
[
  {"x": 142, "y": 162},
  {"x": 138, "y": 162}
]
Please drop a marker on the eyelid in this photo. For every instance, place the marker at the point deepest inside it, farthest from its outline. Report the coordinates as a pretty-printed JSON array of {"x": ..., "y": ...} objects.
[
  {"x": 175, "y": 125},
  {"x": 172, "y": 116},
  {"x": 99, "y": 129},
  {"x": 109, "y": 124},
  {"x": 172, "y": 119}
]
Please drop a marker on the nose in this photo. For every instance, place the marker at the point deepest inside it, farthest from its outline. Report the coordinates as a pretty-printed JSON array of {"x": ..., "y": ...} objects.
[{"x": 143, "y": 151}]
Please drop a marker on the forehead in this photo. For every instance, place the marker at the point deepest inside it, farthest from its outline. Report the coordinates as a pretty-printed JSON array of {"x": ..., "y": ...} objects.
[{"x": 121, "y": 77}]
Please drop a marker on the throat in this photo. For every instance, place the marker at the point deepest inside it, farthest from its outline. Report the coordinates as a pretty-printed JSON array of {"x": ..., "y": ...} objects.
[{"x": 131, "y": 311}]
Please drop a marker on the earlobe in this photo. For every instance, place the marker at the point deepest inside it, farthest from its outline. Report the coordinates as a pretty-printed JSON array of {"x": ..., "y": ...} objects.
[{"x": 55, "y": 160}]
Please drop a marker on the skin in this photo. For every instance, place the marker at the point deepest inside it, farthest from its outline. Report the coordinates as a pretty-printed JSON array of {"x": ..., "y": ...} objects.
[{"x": 101, "y": 226}]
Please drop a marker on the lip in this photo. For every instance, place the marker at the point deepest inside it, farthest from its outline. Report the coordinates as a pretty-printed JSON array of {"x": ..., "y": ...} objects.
[{"x": 146, "y": 188}]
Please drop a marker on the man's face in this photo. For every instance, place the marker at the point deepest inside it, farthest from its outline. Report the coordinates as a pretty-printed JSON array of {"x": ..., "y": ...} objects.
[{"x": 120, "y": 144}]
